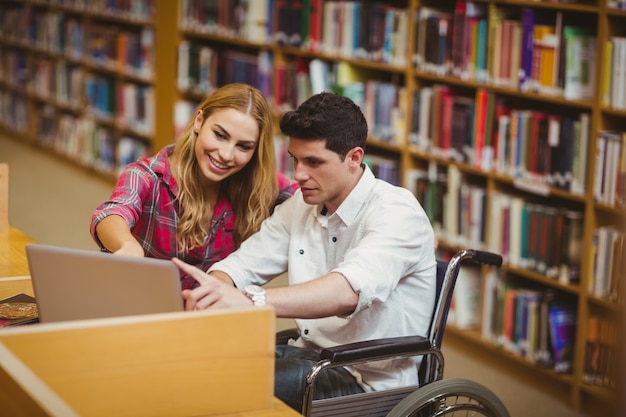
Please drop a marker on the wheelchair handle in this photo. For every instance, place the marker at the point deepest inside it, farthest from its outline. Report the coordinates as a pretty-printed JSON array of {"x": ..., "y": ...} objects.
[{"x": 481, "y": 257}]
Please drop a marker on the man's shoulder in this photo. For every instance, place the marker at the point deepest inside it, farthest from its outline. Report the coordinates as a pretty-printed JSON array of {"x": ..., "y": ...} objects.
[{"x": 393, "y": 193}]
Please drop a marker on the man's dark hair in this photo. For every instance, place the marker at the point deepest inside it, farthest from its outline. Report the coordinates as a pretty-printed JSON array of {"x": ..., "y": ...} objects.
[{"x": 327, "y": 116}]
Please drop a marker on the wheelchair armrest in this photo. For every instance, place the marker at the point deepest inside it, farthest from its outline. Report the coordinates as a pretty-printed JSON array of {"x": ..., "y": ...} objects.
[
  {"x": 376, "y": 349},
  {"x": 283, "y": 336}
]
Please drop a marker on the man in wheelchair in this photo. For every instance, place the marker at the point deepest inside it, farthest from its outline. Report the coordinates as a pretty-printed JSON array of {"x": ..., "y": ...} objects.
[{"x": 359, "y": 253}]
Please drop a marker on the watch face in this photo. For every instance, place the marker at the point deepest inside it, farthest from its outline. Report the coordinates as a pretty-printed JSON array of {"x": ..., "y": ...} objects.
[{"x": 254, "y": 290}]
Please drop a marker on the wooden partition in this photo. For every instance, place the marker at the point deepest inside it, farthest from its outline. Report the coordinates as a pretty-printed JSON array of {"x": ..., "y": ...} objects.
[{"x": 173, "y": 364}]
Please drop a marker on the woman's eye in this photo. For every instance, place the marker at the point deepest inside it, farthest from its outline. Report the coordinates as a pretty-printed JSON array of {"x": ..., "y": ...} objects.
[{"x": 219, "y": 135}]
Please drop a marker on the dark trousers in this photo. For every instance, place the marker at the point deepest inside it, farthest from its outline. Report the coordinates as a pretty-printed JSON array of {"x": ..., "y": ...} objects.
[{"x": 293, "y": 364}]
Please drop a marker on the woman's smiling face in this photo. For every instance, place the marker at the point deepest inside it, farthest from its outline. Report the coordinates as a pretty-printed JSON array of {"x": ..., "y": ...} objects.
[{"x": 226, "y": 142}]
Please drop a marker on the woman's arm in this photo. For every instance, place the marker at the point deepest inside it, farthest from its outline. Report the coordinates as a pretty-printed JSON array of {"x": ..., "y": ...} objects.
[{"x": 115, "y": 235}]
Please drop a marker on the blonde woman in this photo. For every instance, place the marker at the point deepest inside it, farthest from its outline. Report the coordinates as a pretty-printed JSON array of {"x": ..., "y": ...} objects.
[{"x": 198, "y": 199}]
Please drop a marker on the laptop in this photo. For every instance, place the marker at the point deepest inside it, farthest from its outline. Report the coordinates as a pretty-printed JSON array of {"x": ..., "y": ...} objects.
[{"x": 76, "y": 284}]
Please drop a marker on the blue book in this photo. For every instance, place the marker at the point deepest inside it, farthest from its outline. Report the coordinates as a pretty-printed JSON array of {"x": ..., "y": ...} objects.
[
  {"x": 526, "y": 64},
  {"x": 562, "y": 323}
]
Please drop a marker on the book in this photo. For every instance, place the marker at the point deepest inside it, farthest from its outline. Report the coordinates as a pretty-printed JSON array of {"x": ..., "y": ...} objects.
[
  {"x": 562, "y": 322},
  {"x": 526, "y": 63},
  {"x": 17, "y": 310},
  {"x": 467, "y": 298},
  {"x": 580, "y": 62}
]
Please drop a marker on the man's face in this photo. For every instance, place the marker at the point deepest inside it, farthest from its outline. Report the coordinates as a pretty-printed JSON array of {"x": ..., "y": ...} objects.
[{"x": 323, "y": 177}]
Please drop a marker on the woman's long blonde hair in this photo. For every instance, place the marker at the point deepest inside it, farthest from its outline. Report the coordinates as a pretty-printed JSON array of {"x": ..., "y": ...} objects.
[{"x": 251, "y": 191}]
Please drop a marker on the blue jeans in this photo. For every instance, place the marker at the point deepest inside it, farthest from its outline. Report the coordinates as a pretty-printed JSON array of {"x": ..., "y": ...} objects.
[{"x": 293, "y": 364}]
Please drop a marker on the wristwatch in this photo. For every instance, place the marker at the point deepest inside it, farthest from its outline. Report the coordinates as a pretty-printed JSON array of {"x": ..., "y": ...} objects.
[{"x": 256, "y": 294}]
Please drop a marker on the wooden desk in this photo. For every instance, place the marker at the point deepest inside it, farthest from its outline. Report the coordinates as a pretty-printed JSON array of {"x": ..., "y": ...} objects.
[
  {"x": 12, "y": 253},
  {"x": 14, "y": 279}
]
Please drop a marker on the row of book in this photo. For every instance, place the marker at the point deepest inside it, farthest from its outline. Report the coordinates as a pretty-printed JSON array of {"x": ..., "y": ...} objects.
[
  {"x": 14, "y": 67},
  {"x": 131, "y": 104},
  {"x": 519, "y": 49},
  {"x": 614, "y": 80},
  {"x": 617, "y": 4},
  {"x": 486, "y": 132},
  {"x": 57, "y": 80},
  {"x": 455, "y": 206},
  {"x": 385, "y": 168},
  {"x": 128, "y": 9},
  {"x": 536, "y": 236},
  {"x": 373, "y": 31},
  {"x": 609, "y": 182},
  {"x": 535, "y": 324},
  {"x": 128, "y": 51},
  {"x": 234, "y": 18},
  {"x": 532, "y": 236},
  {"x": 602, "y": 352},
  {"x": 607, "y": 269},
  {"x": 14, "y": 111},
  {"x": 88, "y": 142},
  {"x": 201, "y": 69}
]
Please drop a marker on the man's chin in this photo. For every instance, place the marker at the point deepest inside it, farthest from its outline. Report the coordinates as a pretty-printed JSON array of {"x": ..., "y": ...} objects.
[{"x": 310, "y": 199}]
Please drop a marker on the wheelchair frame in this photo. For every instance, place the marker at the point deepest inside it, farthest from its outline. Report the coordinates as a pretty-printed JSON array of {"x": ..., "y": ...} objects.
[{"x": 402, "y": 401}]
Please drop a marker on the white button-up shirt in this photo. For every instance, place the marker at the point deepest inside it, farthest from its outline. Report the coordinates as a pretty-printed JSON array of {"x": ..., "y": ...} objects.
[{"x": 380, "y": 240}]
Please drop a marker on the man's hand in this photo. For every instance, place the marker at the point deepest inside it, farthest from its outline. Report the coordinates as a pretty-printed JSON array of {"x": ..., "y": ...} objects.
[{"x": 212, "y": 292}]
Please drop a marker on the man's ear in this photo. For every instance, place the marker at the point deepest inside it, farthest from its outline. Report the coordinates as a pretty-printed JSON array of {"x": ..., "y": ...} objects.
[{"x": 355, "y": 156}]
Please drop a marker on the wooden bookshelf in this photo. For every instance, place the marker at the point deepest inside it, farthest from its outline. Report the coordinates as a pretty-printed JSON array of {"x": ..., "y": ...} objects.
[
  {"x": 395, "y": 139},
  {"x": 78, "y": 79},
  {"x": 252, "y": 45}
]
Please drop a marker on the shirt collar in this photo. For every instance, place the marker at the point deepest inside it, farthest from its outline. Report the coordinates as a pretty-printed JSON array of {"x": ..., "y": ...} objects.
[
  {"x": 161, "y": 167},
  {"x": 357, "y": 198}
]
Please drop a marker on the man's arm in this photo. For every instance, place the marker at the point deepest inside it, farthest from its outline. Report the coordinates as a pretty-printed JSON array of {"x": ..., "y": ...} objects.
[{"x": 326, "y": 296}]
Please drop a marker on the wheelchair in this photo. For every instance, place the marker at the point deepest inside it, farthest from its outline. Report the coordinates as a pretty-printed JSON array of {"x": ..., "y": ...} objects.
[{"x": 434, "y": 396}]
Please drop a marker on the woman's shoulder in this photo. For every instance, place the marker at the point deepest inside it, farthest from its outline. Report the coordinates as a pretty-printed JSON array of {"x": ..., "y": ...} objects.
[{"x": 285, "y": 183}]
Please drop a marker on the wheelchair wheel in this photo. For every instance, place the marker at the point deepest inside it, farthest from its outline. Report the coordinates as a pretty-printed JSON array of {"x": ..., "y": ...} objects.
[{"x": 450, "y": 397}]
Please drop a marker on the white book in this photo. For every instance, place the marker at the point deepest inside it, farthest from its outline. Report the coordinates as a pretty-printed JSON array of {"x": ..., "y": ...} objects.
[
  {"x": 330, "y": 28},
  {"x": 619, "y": 73},
  {"x": 467, "y": 298},
  {"x": 346, "y": 10},
  {"x": 452, "y": 204},
  {"x": 183, "y": 65},
  {"x": 515, "y": 228},
  {"x": 477, "y": 198},
  {"x": 599, "y": 277},
  {"x": 612, "y": 168},
  {"x": 598, "y": 180},
  {"x": 320, "y": 76},
  {"x": 424, "y": 136},
  {"x": 256, "y": 21},
  {"x": 504, "y": 124},
  {"x": 579, "y": 176},
  {"x": 494, "y": 238},
  {"x": 489, "y": 309}
]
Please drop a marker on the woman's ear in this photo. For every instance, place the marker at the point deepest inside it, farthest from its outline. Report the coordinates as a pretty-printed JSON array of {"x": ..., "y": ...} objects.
[{"x": 197, "y": 123}]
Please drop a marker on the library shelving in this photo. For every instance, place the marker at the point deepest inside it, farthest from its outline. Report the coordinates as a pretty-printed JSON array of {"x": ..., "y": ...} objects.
[
  {"x": 78, "y": 78},
  {"x": 506, "y": 119},
  {"x": 499, "y": 117}
]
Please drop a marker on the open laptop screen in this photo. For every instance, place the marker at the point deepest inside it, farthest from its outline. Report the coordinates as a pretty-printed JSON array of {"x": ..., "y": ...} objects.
[{"x": 75, "y": 284}]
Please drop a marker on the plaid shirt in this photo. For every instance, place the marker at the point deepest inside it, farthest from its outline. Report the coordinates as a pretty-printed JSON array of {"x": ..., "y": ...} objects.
[{"x": 145, "y": 196}]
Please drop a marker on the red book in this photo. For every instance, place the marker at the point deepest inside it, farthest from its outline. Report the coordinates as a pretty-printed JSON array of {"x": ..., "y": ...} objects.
[
  {"x": 480, "y": 125},
  {"x": 315, "y": 26},
  {"x": 445, "y": 138}
]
